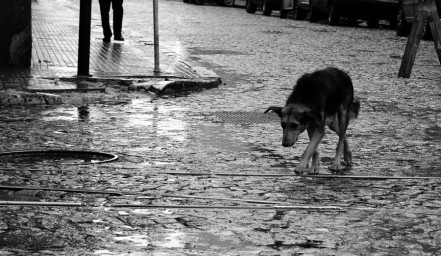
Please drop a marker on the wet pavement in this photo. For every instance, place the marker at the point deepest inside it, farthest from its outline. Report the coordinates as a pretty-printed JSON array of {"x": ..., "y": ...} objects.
[{"x": 165, "y": 143}]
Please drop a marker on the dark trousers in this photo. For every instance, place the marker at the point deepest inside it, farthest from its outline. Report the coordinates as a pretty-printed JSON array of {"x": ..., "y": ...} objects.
[{"x": 118, "y": 11}]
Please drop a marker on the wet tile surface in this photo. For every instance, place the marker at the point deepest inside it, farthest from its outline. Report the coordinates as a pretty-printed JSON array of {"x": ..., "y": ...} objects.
[{"x": 397, "y": 134}]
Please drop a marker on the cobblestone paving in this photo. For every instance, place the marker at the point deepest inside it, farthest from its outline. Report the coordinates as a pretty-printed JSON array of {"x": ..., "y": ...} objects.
[{"x": 259, "y": 58}]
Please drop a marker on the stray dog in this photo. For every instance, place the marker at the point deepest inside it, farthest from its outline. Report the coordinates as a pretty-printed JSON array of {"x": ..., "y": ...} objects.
[{"x": 324, "y": 97}]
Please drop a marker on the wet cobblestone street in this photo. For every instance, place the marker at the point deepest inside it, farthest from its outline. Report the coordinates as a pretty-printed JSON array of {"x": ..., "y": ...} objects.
[{"x": 223, "y": 131}]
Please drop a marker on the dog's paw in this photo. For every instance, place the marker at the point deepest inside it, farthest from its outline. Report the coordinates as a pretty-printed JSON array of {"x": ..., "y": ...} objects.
[
  {"x": 336, "y": 167},
  {"x": 300, "y": 169},
  {"x": 314, "y": 169},
  {"x": 347, "y": 164}
]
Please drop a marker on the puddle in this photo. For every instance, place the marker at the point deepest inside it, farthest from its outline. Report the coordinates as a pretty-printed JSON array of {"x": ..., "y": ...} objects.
[
  {"x": 172, "y": 128},
  {"x": 172, "y": 240},
  {"x": 140, "y": 120},
  {"x": 137, "y": 240},
  {"x": 165, "y": 120},
  {"x": 205, "y": 241},
  {"x": 60, "y": 114},
  {"x": 73, "y": 114}
]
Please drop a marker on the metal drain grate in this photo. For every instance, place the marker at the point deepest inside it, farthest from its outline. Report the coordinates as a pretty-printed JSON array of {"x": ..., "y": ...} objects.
[
  {"x": 45, "y": 157},
  {"x": 246, "y": 117}
]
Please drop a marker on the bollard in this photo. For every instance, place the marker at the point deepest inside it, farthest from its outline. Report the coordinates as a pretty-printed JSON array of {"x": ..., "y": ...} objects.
[
  {"x": 156, "y": 36},
  {"x": 84, "y": 37}
]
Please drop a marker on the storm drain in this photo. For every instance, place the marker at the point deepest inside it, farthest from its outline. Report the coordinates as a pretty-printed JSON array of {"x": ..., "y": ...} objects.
[
  {"x": 50, "y": 157},
  {"x": 246, "y": 117}
]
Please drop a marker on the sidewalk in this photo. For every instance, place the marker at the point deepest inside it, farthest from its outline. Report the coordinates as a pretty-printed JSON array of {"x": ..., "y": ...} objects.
[{"x": 55, "y": 54}]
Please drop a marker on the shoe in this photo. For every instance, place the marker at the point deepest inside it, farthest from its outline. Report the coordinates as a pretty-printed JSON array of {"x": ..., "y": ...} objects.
[
  {"x": 106, "y": 39},
  {"x": 118, "y": 38}
]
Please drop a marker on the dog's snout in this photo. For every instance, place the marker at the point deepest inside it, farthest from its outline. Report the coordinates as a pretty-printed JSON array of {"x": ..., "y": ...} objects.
[
  {"x": 288, "y": 141},
  {"x": 286, "y": 144}
]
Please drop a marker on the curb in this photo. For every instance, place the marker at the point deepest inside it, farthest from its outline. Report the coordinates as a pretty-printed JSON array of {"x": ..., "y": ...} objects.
[
  {"x": 13, "y": 97},
  {"x": 160, "y": 87},
  {"x": 176, "y": 86}
]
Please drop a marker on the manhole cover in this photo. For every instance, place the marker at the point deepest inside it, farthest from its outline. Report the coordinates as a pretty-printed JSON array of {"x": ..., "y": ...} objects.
[
  {"x": 246, "y": 117},
  {"x": 56, "y": 157}
]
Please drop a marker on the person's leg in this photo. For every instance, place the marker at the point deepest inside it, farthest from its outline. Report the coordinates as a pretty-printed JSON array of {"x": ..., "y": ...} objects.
[
  {"x": 118, "y": 12},
  {"x": 105, "y": 9}
]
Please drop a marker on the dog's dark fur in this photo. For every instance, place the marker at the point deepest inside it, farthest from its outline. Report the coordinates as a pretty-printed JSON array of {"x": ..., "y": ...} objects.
[{"x": 324, "y": 97}]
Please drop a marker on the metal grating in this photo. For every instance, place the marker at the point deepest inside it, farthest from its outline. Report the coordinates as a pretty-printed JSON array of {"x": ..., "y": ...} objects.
[
  {"x": 45, "y": 157},
  {"x": 246, "y": 117}
]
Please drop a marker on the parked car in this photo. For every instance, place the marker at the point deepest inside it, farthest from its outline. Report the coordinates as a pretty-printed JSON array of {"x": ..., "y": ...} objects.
[
  {"x": 406, "y": 14},
  {"x": 221, "y": 2},
  {"x": 299, "y": 7},
  {"x": 370, "y": 10}
]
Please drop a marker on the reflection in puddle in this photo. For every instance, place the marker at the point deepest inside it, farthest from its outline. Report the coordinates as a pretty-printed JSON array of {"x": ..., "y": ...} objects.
[
  {"x": 137, "y": 240},
  {"x": 165, "y": 120},
  {"x": 60, "y": 114},
  {"x": 142, "y": 105},
  {"x": 205, "y": 241},
  {"x": 137, "y": 120},
  {"x": 172, "y": 240},
  {"x": 173, "y": 128}
]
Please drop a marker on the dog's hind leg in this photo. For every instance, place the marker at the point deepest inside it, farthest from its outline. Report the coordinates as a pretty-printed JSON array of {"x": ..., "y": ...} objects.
[
  {"x": 347, "y": 153},
  {"x": 340, "y": 125},
  {"x": 315, "y": 161},
  {"x": 336, "y": 165}
]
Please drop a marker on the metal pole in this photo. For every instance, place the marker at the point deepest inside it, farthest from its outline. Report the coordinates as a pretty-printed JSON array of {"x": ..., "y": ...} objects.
[
  {"x": 156, "y": 36},
  {"x": 84, "y": 37}
]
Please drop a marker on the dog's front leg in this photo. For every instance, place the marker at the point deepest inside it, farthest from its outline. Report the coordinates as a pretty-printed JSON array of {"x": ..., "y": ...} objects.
[
  {"x": 315, "y": 161},
  {"x": 315, "y": 138}
]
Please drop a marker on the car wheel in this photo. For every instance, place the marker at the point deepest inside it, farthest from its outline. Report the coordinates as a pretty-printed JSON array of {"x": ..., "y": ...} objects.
[
  {"x": 373, "y": 23},
  {"x": 393, "y": 23},
  {"x": 267, "y": 10},
  {"x": 333, "y": 16},
  {"x": 352, "y": 21},
  {"x": 283, "y": 13},
  {"x": 250, "y": 7},
  {"x": 403, "y": 27},
  {"x": 229, "y": 3},
  {"x": 299, "y": 13},
  {"x": 314, "y": 16}
]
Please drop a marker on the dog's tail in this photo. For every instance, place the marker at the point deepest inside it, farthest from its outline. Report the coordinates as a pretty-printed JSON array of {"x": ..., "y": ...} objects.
[{"x": 354, "y": 109}]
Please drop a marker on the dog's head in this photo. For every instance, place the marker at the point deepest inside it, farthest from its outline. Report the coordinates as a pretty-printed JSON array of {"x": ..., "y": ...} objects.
[{"x": 294, "y": 120}]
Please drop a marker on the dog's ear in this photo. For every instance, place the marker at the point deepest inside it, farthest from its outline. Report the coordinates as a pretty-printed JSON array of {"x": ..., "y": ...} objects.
[{"x": 277, "y": 110}]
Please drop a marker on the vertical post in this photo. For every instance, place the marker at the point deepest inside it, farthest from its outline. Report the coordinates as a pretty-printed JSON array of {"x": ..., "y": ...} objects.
[
  {"x": 84, "y": 37},
  {"x": 413, "y": 41},
  {"x": 156, "y": 36},
  {"x": 435, "y": 28}
]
